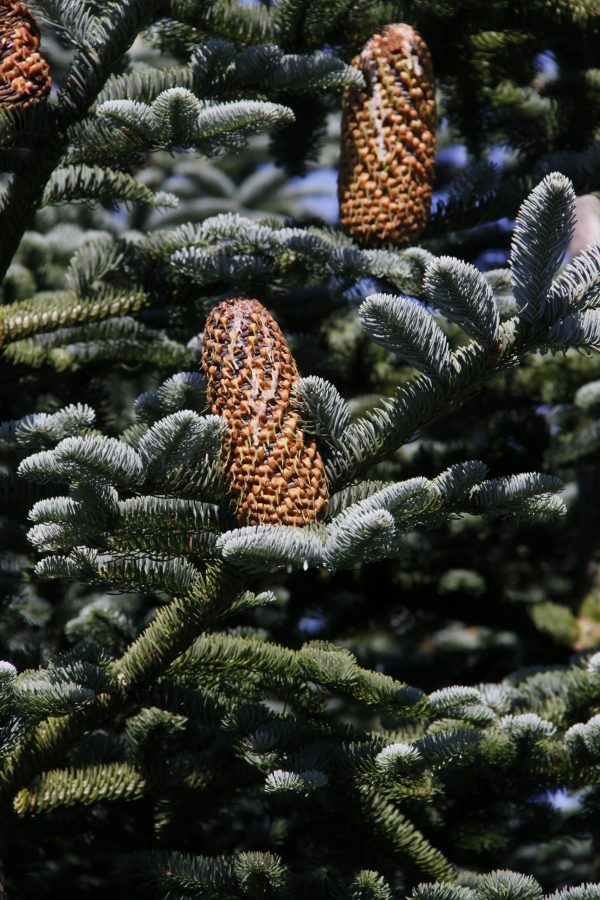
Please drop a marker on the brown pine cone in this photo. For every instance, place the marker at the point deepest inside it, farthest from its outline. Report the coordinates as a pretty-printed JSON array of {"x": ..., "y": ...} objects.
[
  {"x": 24, "y": 74},
  {"x": 275, "y": 471},
  {"x": 388, "y": 141}
]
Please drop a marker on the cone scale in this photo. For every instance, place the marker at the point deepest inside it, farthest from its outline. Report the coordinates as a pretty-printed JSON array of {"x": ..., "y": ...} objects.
[
  {"x": 276, "y": 474},
  {"x": 24, "y": 73},
  {"x": 388, "y": 141}
]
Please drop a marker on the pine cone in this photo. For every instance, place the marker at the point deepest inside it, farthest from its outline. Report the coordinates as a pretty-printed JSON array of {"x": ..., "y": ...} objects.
[
  {"x": 275, "y": 472},
  {"x": 388, "y": 141},
  {"x": 24, "y": 74}
]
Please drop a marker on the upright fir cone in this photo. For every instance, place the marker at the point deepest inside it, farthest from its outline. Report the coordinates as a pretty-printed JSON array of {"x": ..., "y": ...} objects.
[
  {"x": 388, "y": 141},
  {"x": 24, "y": 74},
  {"x": 275, "y": 471}
]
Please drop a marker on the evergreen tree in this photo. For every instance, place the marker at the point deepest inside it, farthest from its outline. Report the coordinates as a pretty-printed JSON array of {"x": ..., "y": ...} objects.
[{"x": 278, "y": 636}]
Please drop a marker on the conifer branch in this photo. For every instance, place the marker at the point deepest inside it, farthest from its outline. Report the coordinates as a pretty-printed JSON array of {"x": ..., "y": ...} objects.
[
  {"x": 326, "y": 665},
  {"x": 51, "y": 311},
  {"x": 69, "y": 787},
  {"x": 91, "y": 67},
  {"x": 245, "y": 873},
  {"x": 175, "y": 626},
  {"x": 178, "y": 689},
  {"x": 71, "y": 184},
  {"x": 172, "y": 630},
  {"x": 406, "y": 839}
]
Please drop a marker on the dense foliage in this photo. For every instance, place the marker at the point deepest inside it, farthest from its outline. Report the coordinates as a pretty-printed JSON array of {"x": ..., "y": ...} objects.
[{"x": 403, "y": 697}]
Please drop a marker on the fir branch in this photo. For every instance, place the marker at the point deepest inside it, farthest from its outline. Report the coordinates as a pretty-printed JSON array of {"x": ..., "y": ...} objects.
[
  {"x": 325, "y": 412},
  {"x": 176, "y": 118},
  {"x": 331, "y": 667},
  {"x": 124, "y": 339},
  {"x": 542, "y": 232},
  {"x": 69, "y": 184},
  {"x": 442, "y": 891},
  {"x": 74, "y": 21},
  {"x": 245, "y": 873},
  {"x": 243, "y": 117},
  {"x": 151, "y": 513},
  {"x": 367, "y": 535},
  {"x": 183, "y": 391},
  {"x": 457, "y": 482},
  {"x": 179, "y": 440},
  {"x": 352, "y": 494},
  {"x": 159, "y": 571},
  {"x": 92, "y": 264},
  {"x": 319, "y": 71},
  {"x": 218, "y": 70},
  {"x": 257, "y": 547},
  {"x": 81, "y": 458},
  {"x": 225, "y": 18},
  {"x": 300, "y": 783},
  {"x": 408, "y": 330},
  {"x": 145, "y": 85},
  {"x": 371, "y": 884},
  {"x": 577, "y": 287},
  {"x": 89, "y": 70},
  {"x": 48, "y": 742},
  {"x": 372, "y": 437},
  {"x": 449, "y": 377},
  {"x": 508, "y": 884},
  {"x": 41, "y": 430},
  {"x": 70, "y": 787},
  {"x": 528, "y": 495},
  {"x": 175, "y": 626},
  {"x": 233, "y": 248},
  {"x": 51, "y": 311},
  {"x": 463, "y": 294},
  {"x": 576, "y": 330},
  {"x": 396, "y": 829},
  {"x": 372, "y": 528}
]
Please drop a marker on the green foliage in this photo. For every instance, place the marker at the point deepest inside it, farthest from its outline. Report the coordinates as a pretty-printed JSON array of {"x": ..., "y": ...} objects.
[
  {"x": 71, "y": 787},
  {"x": 193, "y": 708},
  {"x": 465, "y": 296},
  {"x": 72, "y": 183}
]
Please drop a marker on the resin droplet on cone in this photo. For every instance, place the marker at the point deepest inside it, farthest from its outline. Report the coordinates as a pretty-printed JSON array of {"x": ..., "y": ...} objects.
[
  {"x": 275, "y": 471},
  {"x": 24, "y": 73},
  {"x": 388, "y": 141}
]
